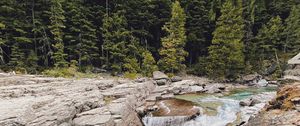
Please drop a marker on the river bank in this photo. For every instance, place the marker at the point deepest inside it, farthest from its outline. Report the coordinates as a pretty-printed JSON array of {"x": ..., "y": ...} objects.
[
  {"x": 283, "y": 110},
  {"x": 36, "y": 100}
]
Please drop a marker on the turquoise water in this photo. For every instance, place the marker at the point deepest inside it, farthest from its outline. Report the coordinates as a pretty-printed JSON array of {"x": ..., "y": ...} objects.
[
  {"x": 220, "y": 110},
  {"x": 216, "y": 109},
  {"x": 236, "y": 94},
  {"x": 243, "y": 93}
]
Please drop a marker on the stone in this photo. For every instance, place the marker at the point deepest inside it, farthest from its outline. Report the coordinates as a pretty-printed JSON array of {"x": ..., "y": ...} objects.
[
  {"x": 176, "y": 91},
  {"x": 98, "y": 70},
  {"x": 140, "y": 80},
  {"x": 167, "y": 96},
  {"x": 245, "y": 103},
  {"x": 157, "y": 75},
  {"x": 45, "y": 101},
  {"x": 296, "y": 100},
  {"x": 262, "y": 83},
  {"x": 141, "y": 111},
  {"x": 196, "y": 89},
  {"x": 297, "y": 107},
  {"x": 214, "y": 88},
  {"x": 161, "y": 82},
  {"x": 251, "y": 77},
  {"x": 176, "y": 79},
  {"x": 92, "y": 120},
  {"x": 254, "y": 102},
  {"x": 152, "y": 108}
]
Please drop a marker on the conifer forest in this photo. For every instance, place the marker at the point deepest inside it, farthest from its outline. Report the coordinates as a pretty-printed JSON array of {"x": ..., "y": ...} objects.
[{"x": 220, "y": 39}]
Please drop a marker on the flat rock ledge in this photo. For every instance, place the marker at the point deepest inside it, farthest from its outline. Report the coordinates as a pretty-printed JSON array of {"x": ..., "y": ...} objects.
[{"x": 27, "y": 100}]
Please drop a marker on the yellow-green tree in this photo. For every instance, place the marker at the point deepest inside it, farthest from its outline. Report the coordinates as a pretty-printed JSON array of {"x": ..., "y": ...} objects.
[
  {"x": 172, "y": 52},
  {"x": 149, "y": 64}
]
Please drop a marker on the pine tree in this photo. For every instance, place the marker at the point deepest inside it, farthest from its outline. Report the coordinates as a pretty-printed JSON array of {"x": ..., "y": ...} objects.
[
  {"x": 18, "y": 38},
  {"x": 80, "y": 38},
  {"x": 149, "y": 64},
  {"x": 172, "y": 51},
  {"x": 134, "y": 55},
  {"x": 197, "y": 28},
  {"x": 226, "y": 52},
  {"x": 292, "y": 31},
  {"x": 116, "y": 37},
  {"x": 269, "y": 39},
  {"x": 2, "y": 42},
  {"x": 57, "y": 19}
]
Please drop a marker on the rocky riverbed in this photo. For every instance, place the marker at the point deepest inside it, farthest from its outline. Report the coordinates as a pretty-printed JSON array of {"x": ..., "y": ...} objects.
[
  {"x": 32, "y": 100},
  {"x": 284, "y": 110}
]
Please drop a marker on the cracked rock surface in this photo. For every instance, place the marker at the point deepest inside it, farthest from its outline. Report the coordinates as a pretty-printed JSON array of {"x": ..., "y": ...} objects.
[{"x": 28, "y": 100}]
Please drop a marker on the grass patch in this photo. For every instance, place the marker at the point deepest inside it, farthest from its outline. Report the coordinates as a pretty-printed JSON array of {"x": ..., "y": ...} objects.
[
  {"x": 131, "y": 76},
  {"x": 67, "y": 73}
]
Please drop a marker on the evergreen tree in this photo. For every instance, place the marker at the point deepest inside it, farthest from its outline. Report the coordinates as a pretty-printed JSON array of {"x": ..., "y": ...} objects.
[
  {"x": 226, "y": 52},
  {"x": 149, "y": 64},
  {"x": 2, "y": 42},
  {"x": 115, "y": 33},
  {"x": 134, "y": 55},
  {"x": 57, "y": 19},
  {"x": 197, "y": 27},
  {"x": 80, "y": 38},
  {"x": 161, "y": 9},
  {"x": 172, "y": 51},
  {"x": 292, "y": 31},
  {"x": 19, "y": 37},
  {"x": 269, "y": 39}
]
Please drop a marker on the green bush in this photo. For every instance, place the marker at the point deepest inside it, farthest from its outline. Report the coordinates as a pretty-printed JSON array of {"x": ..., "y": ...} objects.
[
  {"x": 130, "y": 75},
  {"x": 61, "y": 72},
  {"x": 200, "y": 67}
]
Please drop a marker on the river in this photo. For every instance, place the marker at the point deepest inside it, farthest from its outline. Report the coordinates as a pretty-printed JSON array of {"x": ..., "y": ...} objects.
[{"x": 216, "y": 109}]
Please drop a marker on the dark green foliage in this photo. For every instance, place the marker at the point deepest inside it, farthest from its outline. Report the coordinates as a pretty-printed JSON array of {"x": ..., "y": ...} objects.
[
  {"x": 80, "y": 40},
  {"x": 57, "y": 19},
  {"x": 269, "y": 39},
  {"x": 292, "y": 31},
  {"x": 121, "y": 47},
  {"x": 225, "y": 54},
  {"x": 115, "y": 40},
  {"x": 224, "y": 38},
  {"x": 197, "y": 28}
]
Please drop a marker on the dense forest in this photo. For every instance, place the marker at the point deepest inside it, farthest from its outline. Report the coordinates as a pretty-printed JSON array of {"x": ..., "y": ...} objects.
[{"x": 222, "y": 39}]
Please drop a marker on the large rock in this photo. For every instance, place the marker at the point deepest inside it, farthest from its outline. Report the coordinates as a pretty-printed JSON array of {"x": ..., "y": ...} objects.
[
  {"x": 157, "y": 75},
  {"x": 215, "y": 88},
  {"x": 42, "y": 101},
  {"x": 99, "y": 116},
  {"x": 251, "y": 78},
  {"x": 161, "y": 82},
  {"x": 262, "y": 83},
  {"x": 176, "y": 79}
]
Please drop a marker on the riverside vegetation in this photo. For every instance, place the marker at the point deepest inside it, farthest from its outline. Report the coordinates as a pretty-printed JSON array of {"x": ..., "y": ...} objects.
[{"x": 222, "y": 39}]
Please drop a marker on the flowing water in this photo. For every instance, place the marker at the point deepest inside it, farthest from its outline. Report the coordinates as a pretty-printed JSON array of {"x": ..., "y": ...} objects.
[{"x": 215, "y": 110}]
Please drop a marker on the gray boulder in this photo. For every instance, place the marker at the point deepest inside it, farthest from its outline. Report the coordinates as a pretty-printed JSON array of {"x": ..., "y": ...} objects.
[
  {"x": 246, "y": 102},
  {"x": 254, "y": 102},
  {"x": 157, "y": 75},
  {"x": 262, "y": 83},
  {"x": 176, "y": 79},
  {"x": 161, "y": 82},
  {"x": 214, "y": 88}
]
